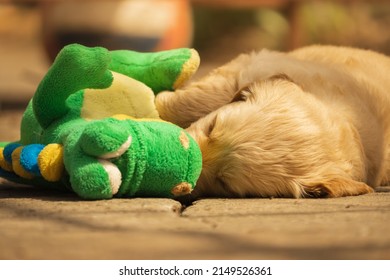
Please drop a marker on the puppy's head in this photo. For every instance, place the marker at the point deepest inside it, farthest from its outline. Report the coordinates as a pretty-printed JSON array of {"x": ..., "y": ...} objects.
[{"x": 246, "y": 145}]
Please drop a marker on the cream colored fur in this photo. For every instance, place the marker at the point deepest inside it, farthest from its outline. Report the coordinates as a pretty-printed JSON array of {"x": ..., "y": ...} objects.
[{"x": 314, "y": 122}]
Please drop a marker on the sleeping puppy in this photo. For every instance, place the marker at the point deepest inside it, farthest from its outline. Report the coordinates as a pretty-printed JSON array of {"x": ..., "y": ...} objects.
[{"x": 314, "y": 122}]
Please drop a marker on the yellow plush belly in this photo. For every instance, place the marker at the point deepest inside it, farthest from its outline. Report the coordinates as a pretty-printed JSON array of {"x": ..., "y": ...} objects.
[{"x": 125, "y": 96}]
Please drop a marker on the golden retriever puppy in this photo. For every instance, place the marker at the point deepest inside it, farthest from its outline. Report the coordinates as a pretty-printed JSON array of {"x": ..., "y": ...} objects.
[{"x": 314, "y": 122}]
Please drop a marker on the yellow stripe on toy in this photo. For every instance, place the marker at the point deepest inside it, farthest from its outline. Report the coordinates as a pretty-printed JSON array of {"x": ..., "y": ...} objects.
[
  {"x": 5, "y": 165},
  {"x": 17, "y": 167},
  {"x": 122, "y": 117},
  {"x": 51, "y": 162},
  {"x": 189, "y": 68}
]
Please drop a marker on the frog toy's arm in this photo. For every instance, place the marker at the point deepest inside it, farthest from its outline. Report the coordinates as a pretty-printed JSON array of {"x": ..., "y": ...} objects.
[
  {"x": 105, "y": 156},
  {"x": 75, "y": 68}
]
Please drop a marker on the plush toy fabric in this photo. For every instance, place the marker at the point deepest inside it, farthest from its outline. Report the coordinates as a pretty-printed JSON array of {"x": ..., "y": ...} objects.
[{"x": 92, "y": 127}]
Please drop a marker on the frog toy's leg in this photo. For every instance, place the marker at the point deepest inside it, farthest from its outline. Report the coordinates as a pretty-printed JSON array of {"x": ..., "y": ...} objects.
[
  {"x": 76, "y": 67},
  {"x": 164, "y": 70},
  {"x": 87, "y": 158}
]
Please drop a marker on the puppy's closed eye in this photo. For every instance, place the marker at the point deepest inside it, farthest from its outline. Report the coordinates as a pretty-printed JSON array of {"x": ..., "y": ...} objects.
[
  {"x": 241, "y": 95},
  {"x": 281, "y": 76}
]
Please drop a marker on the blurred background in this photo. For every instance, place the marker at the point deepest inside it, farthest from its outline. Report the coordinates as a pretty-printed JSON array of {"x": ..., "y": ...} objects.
[{"x": 33, "y": 31}]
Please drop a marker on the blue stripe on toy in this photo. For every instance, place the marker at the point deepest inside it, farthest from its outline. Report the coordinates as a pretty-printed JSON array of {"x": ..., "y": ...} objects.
[
  {"x": 7, "y": 152},
  {"x": 29, "y": 158}
]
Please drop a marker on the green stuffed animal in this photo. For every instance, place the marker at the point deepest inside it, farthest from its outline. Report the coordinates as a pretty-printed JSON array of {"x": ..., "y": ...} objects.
[{"x": 92, "y": 126}]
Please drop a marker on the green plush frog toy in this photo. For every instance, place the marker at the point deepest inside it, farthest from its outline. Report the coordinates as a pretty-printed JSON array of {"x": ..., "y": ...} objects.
[{"x": 92, "y": 126}]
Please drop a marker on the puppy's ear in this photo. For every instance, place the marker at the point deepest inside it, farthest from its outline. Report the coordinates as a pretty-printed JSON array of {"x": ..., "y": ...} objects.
[
  {"x": 243, "y": 93},
  {"x": 285, "y": 77},
  {"x": 337, "y": 188}
]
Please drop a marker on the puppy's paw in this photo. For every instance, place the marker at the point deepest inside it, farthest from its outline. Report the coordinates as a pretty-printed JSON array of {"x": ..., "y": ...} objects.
[{"x": 337, "y": 188}]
